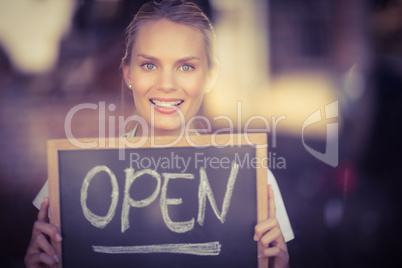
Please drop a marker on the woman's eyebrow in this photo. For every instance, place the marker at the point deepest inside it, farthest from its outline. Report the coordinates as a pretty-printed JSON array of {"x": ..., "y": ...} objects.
[
  {"x": 188, "y": 59},
  {"x": 147, "y": 57},
  {"x": 180, "y": 60}
]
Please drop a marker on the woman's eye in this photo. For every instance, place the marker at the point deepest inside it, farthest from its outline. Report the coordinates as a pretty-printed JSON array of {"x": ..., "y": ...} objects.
[
  {"x": 149, "y": 66},
  {"x": 186, "y": 67}
]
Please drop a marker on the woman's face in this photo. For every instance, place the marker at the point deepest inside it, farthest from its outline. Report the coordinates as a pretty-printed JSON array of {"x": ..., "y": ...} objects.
[{"x": 169, "y": 74}]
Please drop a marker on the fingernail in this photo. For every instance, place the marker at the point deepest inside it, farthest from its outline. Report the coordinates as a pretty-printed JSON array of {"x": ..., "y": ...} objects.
[
  {"x": 56, "y": 258},
  {"x": 255, "y": 238},
  {"x": 58, "y": 237}
]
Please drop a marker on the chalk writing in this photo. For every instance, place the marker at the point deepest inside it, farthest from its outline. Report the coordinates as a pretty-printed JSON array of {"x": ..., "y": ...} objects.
[
  {"x": 204, "y": 191},
  {"x": 178, "y": 227},
  {"x": 96, "y": 220},
  {"x": 201, "y": 249},
  {"x": 128, "y": 201}
]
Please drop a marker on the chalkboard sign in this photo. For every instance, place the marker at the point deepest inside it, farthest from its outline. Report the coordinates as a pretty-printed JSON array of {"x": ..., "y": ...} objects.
[{"x": 160, "y": 202}]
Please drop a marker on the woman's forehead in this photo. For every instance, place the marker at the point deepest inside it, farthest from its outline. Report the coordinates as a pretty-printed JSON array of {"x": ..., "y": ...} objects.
[{"x": 162, "y": 38}]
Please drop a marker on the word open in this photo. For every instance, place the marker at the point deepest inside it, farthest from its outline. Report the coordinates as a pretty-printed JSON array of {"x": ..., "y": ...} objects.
[{"x": 161, "y": 188}]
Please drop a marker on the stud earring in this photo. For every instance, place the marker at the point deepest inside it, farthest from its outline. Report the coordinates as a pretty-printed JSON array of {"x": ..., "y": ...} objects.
[{"x": 130, "y": 86}]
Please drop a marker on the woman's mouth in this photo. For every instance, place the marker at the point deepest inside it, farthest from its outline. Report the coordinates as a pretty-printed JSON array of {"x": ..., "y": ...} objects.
[{"x": 166, "y": 106}]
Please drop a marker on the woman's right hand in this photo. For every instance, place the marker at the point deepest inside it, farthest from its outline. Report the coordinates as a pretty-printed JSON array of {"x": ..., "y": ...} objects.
[{"x": 40, "y": 252}]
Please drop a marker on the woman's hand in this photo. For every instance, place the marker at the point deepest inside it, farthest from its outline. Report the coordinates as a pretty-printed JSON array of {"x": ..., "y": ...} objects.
[
  {"x": 40, "y": 252},
  {"x": 269, "y": 234}
]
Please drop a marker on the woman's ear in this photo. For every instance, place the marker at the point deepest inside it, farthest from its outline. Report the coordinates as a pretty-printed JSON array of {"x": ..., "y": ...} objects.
[
  {"x": 127, "y": 75},
  {"x": 212, "y": 77}
]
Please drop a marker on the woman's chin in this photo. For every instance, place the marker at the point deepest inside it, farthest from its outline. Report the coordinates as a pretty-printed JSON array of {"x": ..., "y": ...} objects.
[{"x": 167, "y": 130}]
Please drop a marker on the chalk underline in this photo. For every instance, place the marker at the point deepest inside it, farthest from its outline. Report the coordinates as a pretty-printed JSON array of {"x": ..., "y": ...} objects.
[{"x": 201, "y": 249}]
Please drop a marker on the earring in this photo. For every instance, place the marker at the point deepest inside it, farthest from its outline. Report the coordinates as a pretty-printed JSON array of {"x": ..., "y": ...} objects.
[{"x": 130, "y": 86}]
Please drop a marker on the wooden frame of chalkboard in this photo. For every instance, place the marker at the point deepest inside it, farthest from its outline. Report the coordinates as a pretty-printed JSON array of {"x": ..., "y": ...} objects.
[{"x": 92, "y": 183}]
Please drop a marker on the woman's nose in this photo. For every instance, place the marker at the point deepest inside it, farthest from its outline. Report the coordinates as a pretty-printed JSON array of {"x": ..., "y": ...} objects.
[{"x": 167, "y": 81}]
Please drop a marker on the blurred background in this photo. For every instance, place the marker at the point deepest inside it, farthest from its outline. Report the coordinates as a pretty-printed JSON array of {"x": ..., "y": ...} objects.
[{"x": 283, "y": 60}]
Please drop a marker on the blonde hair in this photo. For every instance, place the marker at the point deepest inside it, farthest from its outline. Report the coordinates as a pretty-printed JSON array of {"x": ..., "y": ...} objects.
[{"x": 178, "y": 11}]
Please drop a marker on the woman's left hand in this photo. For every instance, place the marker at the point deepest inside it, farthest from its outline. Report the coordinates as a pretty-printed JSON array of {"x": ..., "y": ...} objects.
[{"x": 269, "y": 234}]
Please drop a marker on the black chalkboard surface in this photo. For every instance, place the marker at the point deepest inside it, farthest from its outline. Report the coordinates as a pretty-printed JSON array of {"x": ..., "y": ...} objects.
[{"x": 154, "y": 205}]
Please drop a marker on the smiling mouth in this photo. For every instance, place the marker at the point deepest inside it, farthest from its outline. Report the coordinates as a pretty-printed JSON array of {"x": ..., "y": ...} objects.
[{"x": 166, "y": 104}]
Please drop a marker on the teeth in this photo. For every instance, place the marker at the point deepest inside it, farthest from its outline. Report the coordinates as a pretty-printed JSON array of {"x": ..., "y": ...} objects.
[{"x": 166, "y": 104}]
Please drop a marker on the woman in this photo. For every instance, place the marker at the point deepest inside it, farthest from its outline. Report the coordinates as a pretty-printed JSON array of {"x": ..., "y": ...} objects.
[{"x": 169, "y": 66}]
